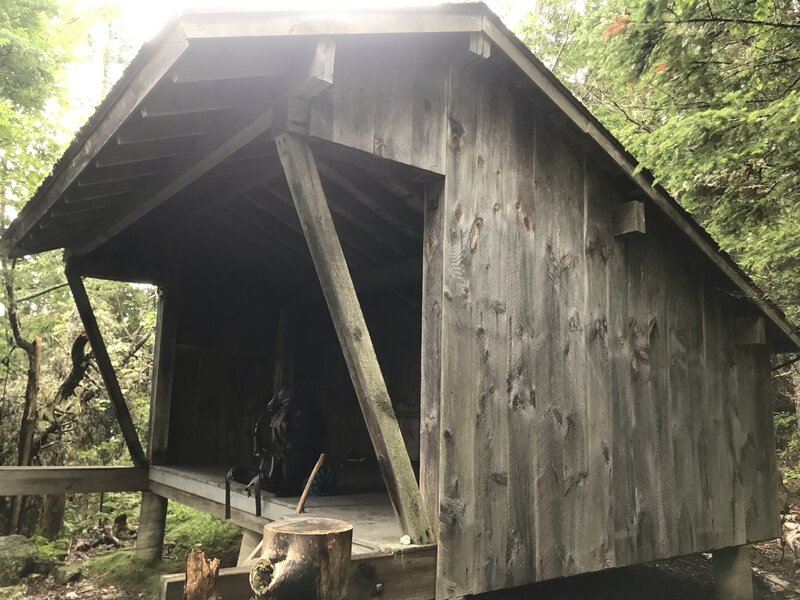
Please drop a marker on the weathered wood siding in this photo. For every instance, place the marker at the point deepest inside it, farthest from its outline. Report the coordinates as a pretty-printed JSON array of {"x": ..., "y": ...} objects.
[
  {"x": 595, "y": 411},
  {"x": 387, "y": 103}
]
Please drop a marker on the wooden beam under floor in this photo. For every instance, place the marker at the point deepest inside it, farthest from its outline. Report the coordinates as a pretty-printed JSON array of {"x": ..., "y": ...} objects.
[
  {"x": 340, "y": 294},
  {"x": 104, "y": 364}
]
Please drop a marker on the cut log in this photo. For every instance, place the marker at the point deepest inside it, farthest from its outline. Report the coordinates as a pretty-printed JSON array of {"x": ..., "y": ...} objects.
[
  {"x": 201, "y": 577},
  {"x": 303, "y": 558}
]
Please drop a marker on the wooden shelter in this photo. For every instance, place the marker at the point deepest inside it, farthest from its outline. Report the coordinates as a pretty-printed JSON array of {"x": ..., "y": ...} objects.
[{"x": 406, "y": 217}]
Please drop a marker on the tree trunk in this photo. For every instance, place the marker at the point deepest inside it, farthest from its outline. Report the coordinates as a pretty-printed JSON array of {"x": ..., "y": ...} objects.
[
  {"x": 27, "y": 429},
  {"x": 201, "y": 577},
  {"x": 30, "y": 411},
  {"x": 303, "y": 558},
  {"x": 51, "y": 519}
]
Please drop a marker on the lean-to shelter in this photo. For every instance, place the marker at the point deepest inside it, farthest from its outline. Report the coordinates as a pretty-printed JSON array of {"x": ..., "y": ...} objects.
[{"x": 515, "y": 345}]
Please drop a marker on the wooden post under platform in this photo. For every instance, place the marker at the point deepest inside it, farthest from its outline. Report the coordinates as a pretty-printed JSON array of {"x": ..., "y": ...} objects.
[
  {"x": 152, "y": 519},
  {"x": 153, "y": 516},
  {"x": 733, "y": 576},
  {"x": 351, "y": 328}
]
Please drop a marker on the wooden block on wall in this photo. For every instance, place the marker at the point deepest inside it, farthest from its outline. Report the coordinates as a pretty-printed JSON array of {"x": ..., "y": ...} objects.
[
  {"x": 628, "y": 217},
  {"x": 749, "y": 331}
]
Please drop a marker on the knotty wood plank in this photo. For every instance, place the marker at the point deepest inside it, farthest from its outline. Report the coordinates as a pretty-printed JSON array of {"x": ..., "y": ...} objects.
[
  {"x": 623, "y": 406},
  {"x": 601, "y": 294},
  {"x": 577, "y": 114},
  {"x": 761, "y": 488},
  {"x": 460, "y": 354},
  {"x": 645, "y": 328},
  {"x": 521, "y": 388},
  {"x": 715, "y": 434},
  {"x": 431, "y": 358},
  {"x": 37, "y": 481},
  {"x": 488, "y": 231},
  {"x": 337, "y": 286},
  {"x": 118, "y": 403},
  {"x": 734, "y": 429},
  {"x": 684, "y": 343},
  {"x": 559, "y": 363}
]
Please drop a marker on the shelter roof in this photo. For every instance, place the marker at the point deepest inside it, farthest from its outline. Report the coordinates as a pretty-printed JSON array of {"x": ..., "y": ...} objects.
[{"x": 190, "y": 106}]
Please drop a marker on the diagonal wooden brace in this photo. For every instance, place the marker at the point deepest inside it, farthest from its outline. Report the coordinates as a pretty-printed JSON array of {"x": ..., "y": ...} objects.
[
  {"x": 105, "y": 366},
  {"x": 351, "y": 329}
]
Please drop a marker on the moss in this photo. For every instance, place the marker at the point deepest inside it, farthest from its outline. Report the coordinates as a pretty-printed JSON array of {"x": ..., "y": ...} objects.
[
  {"x": 118, "y": 568},
  {"x": 50, "y": 550},
  {"x": 188, "y": 528},
  {"x": 18, "y": 557}
]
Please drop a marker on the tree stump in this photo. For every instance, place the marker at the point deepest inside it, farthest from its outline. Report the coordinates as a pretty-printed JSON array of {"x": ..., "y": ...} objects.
[
  {"x": 303, "y": 558},
  {"x": 201, "y": 577}
]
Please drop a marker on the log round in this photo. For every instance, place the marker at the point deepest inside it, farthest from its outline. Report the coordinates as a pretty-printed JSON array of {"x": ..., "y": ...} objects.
[{"x": 305, "y": 558}]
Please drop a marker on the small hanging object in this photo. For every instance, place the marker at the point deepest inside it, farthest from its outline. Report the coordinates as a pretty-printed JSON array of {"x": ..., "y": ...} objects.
[
  {"x": 306, "y": 558},
  {"x": 201, "y": 577}
]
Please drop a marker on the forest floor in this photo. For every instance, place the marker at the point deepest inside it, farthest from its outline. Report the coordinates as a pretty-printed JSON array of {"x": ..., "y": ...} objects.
[{"x": 93, "y": 568}]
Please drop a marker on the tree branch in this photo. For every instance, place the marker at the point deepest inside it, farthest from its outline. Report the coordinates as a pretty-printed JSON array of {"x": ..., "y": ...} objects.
[{"x": 729, "y": 20}]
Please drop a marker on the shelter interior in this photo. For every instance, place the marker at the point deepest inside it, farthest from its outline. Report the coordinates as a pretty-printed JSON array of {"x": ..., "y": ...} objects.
[{"x": 251, "y": 319}]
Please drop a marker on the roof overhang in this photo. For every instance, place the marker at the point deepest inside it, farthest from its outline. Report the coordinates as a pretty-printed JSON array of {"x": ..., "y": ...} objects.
[{"x": 159, "y": 59}]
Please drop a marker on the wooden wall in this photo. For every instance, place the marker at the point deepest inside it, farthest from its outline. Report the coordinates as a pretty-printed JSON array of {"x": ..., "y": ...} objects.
[
  {"x": 595, "y": 411},
  {"x": 584, "y": 400},
  {"x": 226, "y": 332},
  {"x": 225, "y": 360}
]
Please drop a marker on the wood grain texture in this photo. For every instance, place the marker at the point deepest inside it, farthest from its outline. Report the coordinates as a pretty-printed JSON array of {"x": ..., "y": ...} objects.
[
  {"x": 594, "y": 403},
  {"x": 351, "y": 328},
  {"x": 389, "y": 104},
  {"x": 431, "y": 357}
]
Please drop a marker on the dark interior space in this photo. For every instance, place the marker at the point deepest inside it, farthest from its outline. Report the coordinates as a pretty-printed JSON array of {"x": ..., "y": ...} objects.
[{"x": 252, "y": 314}]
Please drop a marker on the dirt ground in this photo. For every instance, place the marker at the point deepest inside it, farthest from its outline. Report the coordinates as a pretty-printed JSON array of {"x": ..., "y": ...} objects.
[{"x": 685, "y": 578}]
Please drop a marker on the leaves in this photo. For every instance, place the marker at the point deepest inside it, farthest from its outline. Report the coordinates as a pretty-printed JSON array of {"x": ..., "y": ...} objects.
[{"x": 707, "y": 96}]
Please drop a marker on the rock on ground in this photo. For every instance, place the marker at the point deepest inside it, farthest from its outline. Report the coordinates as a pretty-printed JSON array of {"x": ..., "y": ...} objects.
[{"x": 17, "y": 559}]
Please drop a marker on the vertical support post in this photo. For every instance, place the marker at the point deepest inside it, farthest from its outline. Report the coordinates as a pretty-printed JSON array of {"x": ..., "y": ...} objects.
[
  {"x": 431, "y": 377},
  {"x": 152, "y": 520},
  {"x": 106, "y": 368},
  {"x": 153, "y": 514},
  {"x": 733, "y": 577},
  {"x": 351, "y": 328}
]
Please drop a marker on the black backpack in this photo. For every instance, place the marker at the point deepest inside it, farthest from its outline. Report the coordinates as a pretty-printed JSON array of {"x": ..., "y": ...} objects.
[{"x": 276, "y": 444}]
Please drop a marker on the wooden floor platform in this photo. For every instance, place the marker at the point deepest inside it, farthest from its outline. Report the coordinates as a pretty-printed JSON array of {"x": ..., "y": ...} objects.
[{"x": 375, "y": 526}]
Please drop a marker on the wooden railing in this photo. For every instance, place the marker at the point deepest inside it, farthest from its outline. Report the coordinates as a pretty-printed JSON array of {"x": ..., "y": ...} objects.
[{"x": 36, "y": 481}]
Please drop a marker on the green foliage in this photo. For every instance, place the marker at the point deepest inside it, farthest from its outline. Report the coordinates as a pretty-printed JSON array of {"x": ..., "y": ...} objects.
[
  {"x": 40, "y": 41},
  {"x": 120, "y": 569},
  {"x": 188, "y": 528},
  {"x": 706, "y": 96},
  {"x": 787, "y": 437}
]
